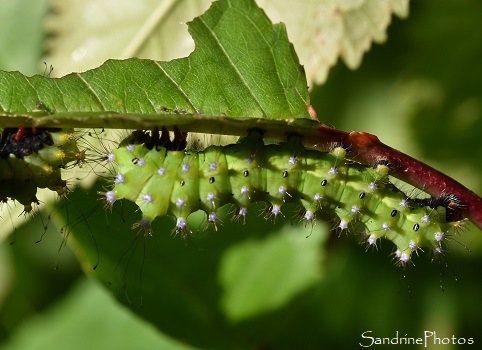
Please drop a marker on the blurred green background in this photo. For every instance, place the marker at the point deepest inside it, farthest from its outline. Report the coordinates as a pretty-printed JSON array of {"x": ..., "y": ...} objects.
[{"x": 263, "y": 285}]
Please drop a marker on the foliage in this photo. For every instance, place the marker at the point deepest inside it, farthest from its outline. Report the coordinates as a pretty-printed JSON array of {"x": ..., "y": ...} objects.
[{"x": 207, "y": 290}]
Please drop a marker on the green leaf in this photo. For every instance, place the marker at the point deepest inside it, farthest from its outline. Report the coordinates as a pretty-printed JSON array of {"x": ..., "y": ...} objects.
[
  {"x": 88, "y": 318},
  {"x": 321, "y": 31},
  {"x": 324, "y": 31},
  {"x": 119, "y": 29},
  {"x": 243, "y": 66},
  {"x": 262, "y": 275}
]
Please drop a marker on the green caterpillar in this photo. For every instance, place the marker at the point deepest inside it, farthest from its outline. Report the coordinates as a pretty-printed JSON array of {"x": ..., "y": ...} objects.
[
  {"x": 164, "y": 179},
  {"x": 32, "y": 158}
]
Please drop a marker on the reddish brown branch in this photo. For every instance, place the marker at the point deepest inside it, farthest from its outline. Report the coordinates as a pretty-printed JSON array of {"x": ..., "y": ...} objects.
[{"x": 368, "y": 149}]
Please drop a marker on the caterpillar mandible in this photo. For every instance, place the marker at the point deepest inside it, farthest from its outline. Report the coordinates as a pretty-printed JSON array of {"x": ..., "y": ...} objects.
[{"x": 163, "y": 178}]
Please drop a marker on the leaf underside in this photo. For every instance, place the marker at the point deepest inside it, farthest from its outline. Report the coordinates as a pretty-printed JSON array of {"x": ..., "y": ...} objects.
[{"x": 243, "y": 66}]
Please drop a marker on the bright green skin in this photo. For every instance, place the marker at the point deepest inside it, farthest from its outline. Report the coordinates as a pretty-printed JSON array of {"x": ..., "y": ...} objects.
[
  {"x": 20, "y": 178},
  {"x": 353, "y": 193}
]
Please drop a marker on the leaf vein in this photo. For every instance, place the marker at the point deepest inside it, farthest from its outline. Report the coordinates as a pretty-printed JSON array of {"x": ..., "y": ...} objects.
[
  {"x": 178, "y": 86},
  {"x": 33, "y": 88},
  {"x": 92, "y": 90},
  {"x": 231, "y": 63}
]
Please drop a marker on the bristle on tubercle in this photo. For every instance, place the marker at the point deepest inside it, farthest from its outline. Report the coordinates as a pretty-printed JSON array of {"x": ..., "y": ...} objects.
[{"x": 164, "y": 179}]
